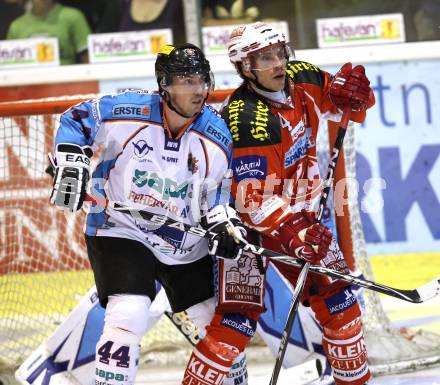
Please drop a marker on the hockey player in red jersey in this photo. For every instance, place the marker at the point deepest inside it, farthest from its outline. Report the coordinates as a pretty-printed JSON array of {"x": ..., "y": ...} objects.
[{"x": 274, "y": 118}]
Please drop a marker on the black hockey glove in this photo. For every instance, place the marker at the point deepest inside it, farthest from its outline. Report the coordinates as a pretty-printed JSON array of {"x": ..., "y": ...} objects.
[
  {"x": 224, "y": 221},
  {"x": 72, "y": 168}
]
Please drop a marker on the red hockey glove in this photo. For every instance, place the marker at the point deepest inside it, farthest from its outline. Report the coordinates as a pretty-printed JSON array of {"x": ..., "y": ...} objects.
[
  {"x": 350, "y": 87},
  {"x": 317, "y": 239}
]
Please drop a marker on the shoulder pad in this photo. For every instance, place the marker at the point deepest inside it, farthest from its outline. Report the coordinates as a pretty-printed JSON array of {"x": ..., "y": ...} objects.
[
  {"x": 250, "y": 120},
  {"x": 213, "y": 110},
  {"x": 302, "y": 72},
  {"x": 131, "y": 105},
  {"x": 211, "y": 125}
]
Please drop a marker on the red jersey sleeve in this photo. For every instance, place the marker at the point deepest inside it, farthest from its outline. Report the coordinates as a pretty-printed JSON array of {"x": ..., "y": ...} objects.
[{"x": 315, "y": 83}]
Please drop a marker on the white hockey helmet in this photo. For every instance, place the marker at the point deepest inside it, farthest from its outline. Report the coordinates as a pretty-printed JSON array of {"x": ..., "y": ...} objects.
[{"x": 247, "y": 40}]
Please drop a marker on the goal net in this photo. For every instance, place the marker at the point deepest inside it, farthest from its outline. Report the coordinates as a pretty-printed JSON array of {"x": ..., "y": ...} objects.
[
  {"x": 389, "y": 350},
  {"x": 44, "y": 268}
]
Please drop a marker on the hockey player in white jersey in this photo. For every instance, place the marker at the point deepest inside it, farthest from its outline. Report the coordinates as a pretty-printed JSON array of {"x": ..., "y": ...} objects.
[{"x": 167, "y": 153}]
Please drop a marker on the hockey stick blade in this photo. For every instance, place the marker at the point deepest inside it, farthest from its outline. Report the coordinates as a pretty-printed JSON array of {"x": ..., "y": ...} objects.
[
  {"x": 419, "y": 295},
  {"x": 422, "y": 294},
  {"x": 289, "y": 323},
  {"x": 307, "y": 373},
  {"x": 429, "y": 290}
]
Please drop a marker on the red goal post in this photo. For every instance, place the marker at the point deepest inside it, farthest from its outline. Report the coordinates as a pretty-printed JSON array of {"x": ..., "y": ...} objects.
[{"x": 60, "y": 104}]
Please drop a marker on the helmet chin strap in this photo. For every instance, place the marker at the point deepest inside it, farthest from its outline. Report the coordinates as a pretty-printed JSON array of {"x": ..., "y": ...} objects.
[
  {"x": 255, "y": 80},
  {"x": 259, "y": 85}
]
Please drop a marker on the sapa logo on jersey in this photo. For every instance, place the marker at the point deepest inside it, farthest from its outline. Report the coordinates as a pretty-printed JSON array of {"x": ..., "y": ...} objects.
[
  {"x": 168, "y": 188},
  {"x": 110, "y": 375},
  {"x": 132, "y": 110}
]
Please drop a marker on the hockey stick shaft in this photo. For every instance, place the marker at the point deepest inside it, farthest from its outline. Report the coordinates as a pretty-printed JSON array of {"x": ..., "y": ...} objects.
[
  {"x": 337, "y": 147},
  {"x": 304, "y": 271},
  {"x": 422, "y": 294},
  {"x": 185, "y": 326},
  {"x": 289, "y": 323}
]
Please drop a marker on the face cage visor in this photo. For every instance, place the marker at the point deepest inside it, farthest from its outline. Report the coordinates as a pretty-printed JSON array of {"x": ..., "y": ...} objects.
[
  {"x": 268, "y": 58},
  {"x": 188, "y": 83}
]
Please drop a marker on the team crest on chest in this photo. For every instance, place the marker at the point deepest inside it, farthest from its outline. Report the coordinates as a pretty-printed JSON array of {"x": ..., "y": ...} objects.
[
  {"x": 299, "y": 148},
  {"x": 192, "y": 163}
]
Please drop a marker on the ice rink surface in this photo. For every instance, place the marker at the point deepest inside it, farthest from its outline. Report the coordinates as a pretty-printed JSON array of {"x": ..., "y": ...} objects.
[
  {"x": 427, "y": 377},
  {"x": 260, "y": 375},
  {"x": 424, "y": 316}
]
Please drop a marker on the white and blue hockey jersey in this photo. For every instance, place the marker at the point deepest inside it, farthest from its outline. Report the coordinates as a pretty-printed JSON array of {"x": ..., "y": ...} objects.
[{"x": 142, "y": 164}]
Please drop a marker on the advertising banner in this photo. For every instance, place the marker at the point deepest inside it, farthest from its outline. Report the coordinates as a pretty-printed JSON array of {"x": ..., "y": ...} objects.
[
  {"x": 22, "y": 53},
  {"x": 127, "y": 46},
  {"x": 360, "y": 30},
  {"x": 215, "y": 38}
]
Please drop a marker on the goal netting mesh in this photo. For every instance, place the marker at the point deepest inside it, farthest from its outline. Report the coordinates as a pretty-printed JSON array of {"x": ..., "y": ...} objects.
[{"x": 44, "y": 268}]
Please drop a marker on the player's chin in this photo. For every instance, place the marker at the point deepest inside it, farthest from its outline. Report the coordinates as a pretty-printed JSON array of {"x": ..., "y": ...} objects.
[
  {"x": 277, "y": 83},
  {"x": 193, "y": 109}
]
